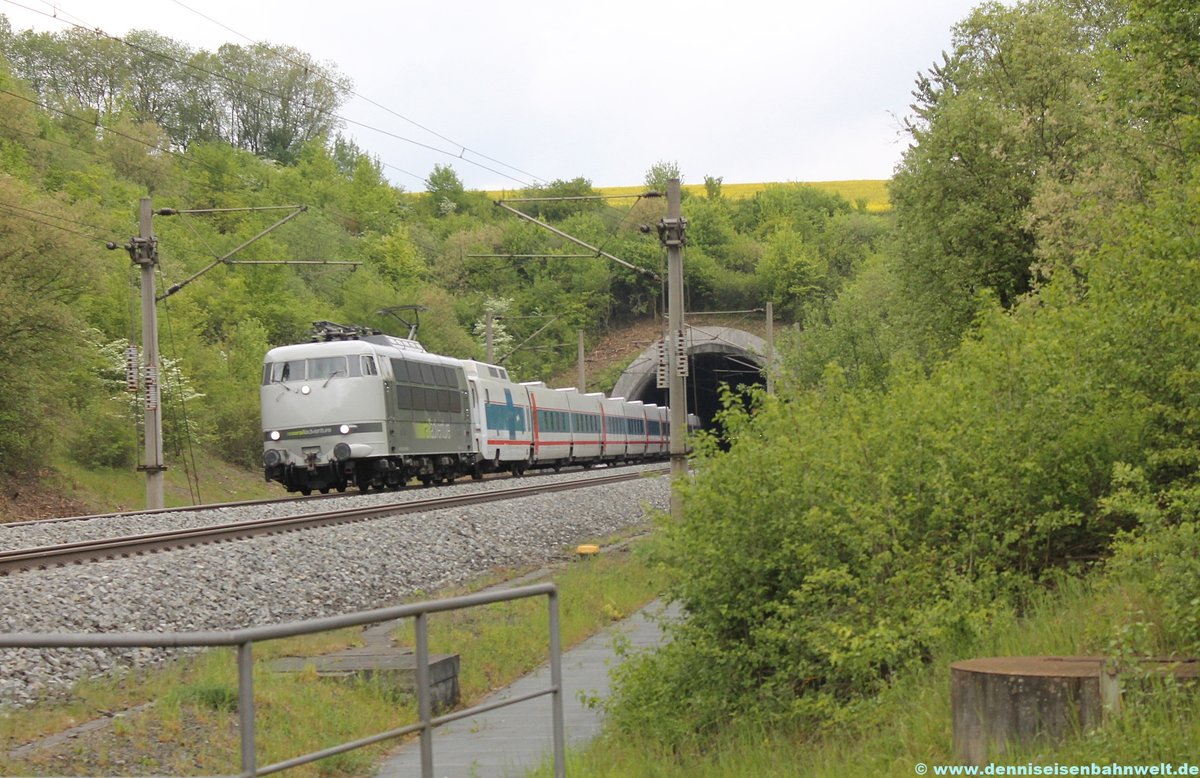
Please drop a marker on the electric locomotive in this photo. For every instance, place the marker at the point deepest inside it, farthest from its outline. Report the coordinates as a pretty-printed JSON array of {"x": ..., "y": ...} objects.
[
  {"x": 367, "y": 409},
  {"x": 359, "y": 407}
]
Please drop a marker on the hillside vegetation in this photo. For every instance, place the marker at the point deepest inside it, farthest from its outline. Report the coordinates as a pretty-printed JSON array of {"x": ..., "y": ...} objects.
[{"x": 91, "y": 125}]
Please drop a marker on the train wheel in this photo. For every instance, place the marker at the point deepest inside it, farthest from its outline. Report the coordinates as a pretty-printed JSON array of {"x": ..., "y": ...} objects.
[
  {"x": 340, "y": 488},
  {"x": 306, "y": 491},
  {"x": 324, "y": 490},
  {"x": 477, "y": 472}
]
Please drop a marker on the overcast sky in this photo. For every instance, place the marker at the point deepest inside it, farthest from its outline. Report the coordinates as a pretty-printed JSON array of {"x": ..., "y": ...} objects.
[{"x": 749, "y": 90}]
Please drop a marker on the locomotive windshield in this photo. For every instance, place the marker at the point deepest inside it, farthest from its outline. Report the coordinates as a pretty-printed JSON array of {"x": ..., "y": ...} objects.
[
  {"x": 305, "y": 369},
  {"x": 325, "y": 367}
]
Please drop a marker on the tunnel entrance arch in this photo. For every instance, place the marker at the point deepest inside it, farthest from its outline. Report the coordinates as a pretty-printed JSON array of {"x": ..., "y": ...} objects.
[{"x": 716, "y": 355}]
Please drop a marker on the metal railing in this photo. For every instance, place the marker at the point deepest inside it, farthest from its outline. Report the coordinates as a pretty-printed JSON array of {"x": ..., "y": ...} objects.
[{"x": 245, "y": 638}]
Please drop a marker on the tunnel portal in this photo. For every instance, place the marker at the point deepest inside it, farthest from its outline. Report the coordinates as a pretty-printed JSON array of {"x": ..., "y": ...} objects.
[{"x": 716, "y": 355}]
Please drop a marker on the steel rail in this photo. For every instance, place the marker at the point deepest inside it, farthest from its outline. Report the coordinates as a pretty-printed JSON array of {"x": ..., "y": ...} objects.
[
  {"x": 271, "y": 500},
  {"x": 42, "y": 557}
]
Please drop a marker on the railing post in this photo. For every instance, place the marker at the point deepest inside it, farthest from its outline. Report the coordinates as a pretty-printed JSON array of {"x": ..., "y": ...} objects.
[
  {"x": 246, "y": 708},
  {"x": 556, "y": 681},
  {"x": 424, "y": 707}
]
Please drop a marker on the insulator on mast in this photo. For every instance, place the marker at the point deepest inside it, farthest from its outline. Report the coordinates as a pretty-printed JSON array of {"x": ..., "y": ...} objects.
[{"x": 131, "y": 369}]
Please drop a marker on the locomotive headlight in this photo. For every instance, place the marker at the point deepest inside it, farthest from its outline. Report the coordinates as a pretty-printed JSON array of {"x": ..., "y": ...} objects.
[
  {"x": 304, "y": 389},
  {"x": 344, "y": 429},
  {"x": 274, "y": 435}
]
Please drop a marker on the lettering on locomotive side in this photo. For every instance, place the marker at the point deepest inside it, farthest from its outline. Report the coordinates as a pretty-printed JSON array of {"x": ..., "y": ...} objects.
[
  {"x": 308, "y": 432},
  {"x": 430, "y": 430}
]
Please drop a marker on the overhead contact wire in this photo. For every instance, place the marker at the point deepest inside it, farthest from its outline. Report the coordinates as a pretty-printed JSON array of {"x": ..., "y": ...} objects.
[{"x": 16, "y": 212}]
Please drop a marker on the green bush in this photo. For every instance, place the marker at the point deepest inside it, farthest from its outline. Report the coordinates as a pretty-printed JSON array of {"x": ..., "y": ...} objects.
[
  {"x": 848, "y": 531},
  {"x": 107, "y": 439},
  {"x": 1162, "y": 554}
]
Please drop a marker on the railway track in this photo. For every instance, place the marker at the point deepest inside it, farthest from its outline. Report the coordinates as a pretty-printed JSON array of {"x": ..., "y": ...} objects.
[
  {"x": 42, "y": 557},
  {"x": 314, "y": 498}
]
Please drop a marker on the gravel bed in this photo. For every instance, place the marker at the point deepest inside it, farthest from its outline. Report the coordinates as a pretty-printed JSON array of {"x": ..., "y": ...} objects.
[
  {"x": 53, "y": 532},
  {"x": 289, "y": 577}
]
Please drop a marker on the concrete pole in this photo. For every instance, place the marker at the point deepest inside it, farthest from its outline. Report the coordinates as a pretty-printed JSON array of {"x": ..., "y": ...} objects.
[
  {"x": 672, "y": 235},
  {"x": 582, "y": 372},
  {"x": 146, "y": 256},
  {"x": 770, "y": 371},
  {"x": 488, "y": 338}
]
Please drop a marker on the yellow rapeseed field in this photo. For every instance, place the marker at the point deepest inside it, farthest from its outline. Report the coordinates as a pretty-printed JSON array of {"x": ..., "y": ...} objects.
[{"x": 874, "y": 193}]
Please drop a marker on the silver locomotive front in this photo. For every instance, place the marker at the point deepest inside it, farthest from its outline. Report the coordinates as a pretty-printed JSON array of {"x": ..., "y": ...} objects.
[{"x": 322, "y": 408}]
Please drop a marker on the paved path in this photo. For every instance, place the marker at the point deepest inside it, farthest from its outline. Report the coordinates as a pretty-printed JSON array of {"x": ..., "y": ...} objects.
[{"x": 513, "y": 740}]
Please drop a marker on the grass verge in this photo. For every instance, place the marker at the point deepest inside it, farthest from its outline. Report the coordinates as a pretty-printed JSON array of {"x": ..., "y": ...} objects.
[
  {"x": 117, "y": 489},
  {"x": 66, "y": 488},
  {"x": 191, "y": 728}
]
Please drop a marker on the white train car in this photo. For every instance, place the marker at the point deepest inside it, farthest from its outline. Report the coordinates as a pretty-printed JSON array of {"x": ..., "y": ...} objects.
[
  {"x": 552, "y": 438},
  {"x": 503, "y": 423},
  {"x": 657, "y": 437},
  {"x": 587, "y": 444},
  {"x": 615, "y": 437},
  {"x": 635, "y": 428}
]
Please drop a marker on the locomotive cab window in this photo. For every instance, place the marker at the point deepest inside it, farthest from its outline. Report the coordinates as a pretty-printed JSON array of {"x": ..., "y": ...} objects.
[
  {"x": 326, "y": 367},
  {"x": 284, "y": 371},
  {"x": 367, "y": 365}
]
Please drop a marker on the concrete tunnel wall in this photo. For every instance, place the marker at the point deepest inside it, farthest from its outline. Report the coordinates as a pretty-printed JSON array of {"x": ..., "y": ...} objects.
[{"x": 716, "y": 355}]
